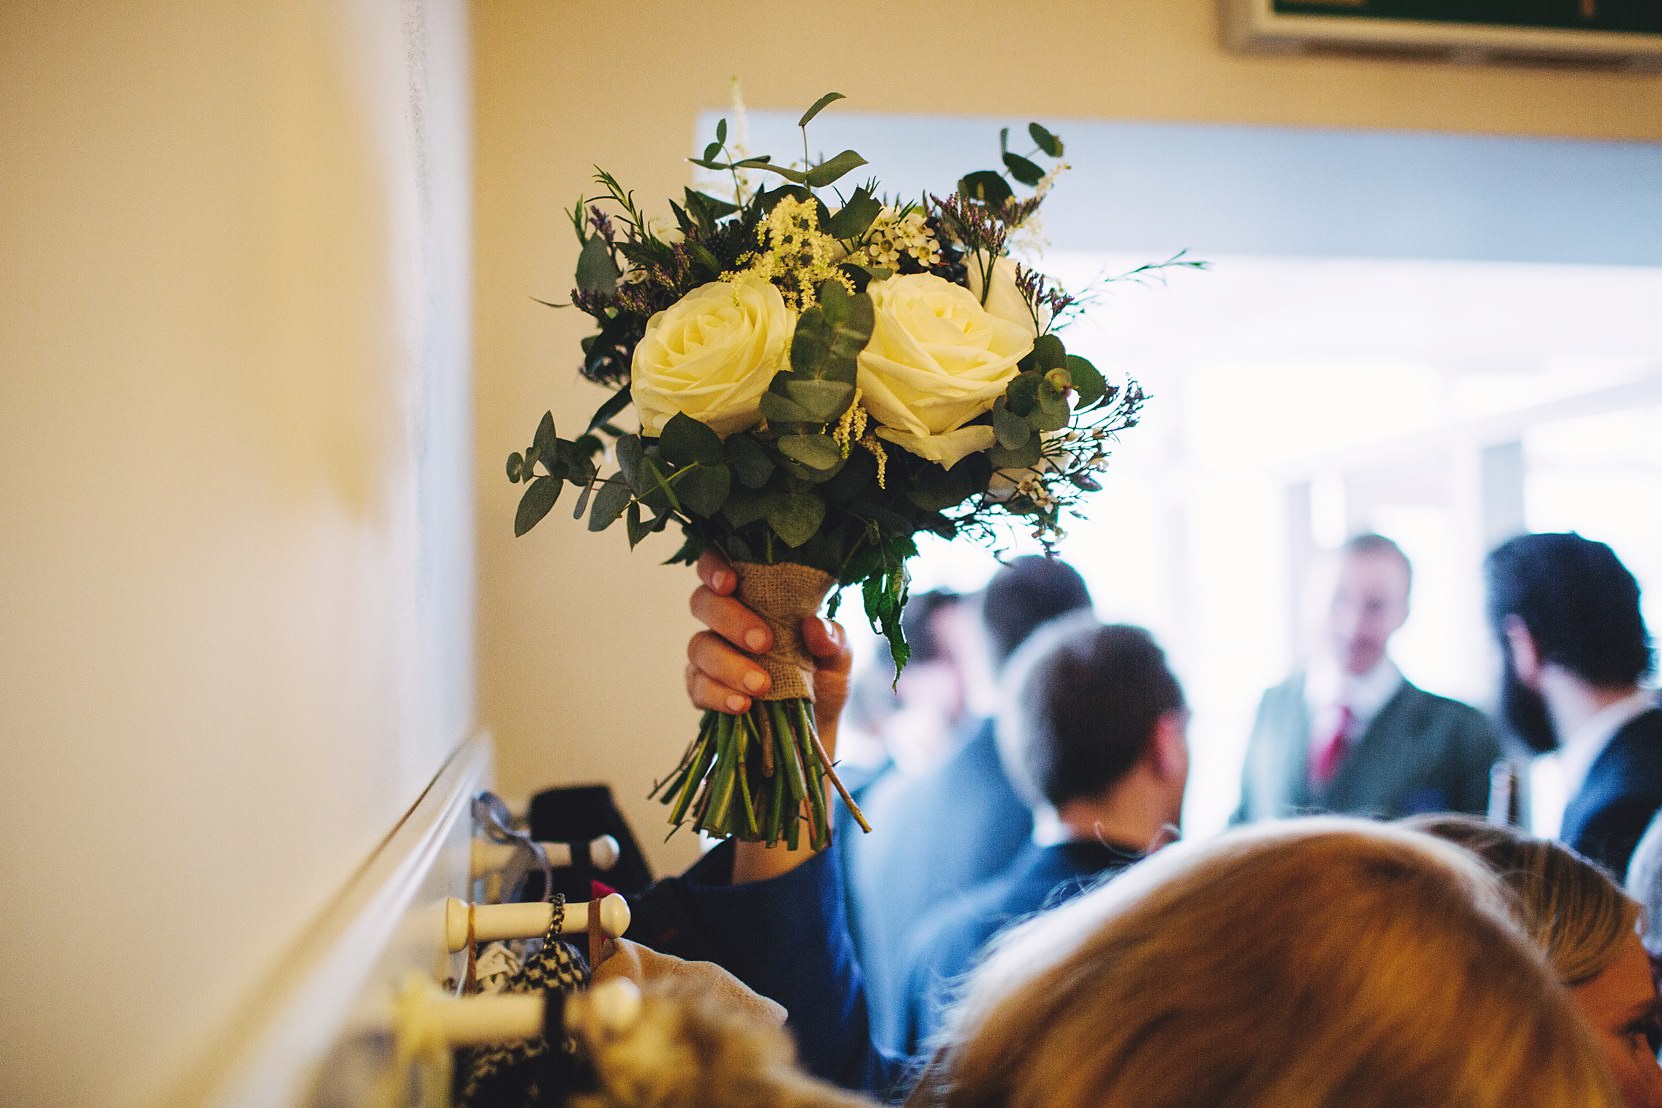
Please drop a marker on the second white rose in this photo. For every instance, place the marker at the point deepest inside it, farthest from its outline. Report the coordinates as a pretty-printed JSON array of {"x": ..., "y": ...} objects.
[
  {"x": 936, "y": 360},
  {"x": 712, "y": 354}
]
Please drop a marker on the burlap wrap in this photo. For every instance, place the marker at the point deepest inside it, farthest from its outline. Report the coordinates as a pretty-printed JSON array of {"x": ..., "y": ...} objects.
[{"x": 784, "y": 595}]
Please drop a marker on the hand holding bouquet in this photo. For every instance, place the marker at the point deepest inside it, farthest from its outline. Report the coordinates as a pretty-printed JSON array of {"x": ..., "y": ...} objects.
[{"x": 818, "y": 377}]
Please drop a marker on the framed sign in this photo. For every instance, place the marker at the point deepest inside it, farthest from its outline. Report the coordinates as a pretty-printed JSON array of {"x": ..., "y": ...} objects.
[{"x": 1617, "y": 34}]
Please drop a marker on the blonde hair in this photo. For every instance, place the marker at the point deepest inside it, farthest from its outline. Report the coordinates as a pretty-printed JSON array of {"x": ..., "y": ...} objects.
[
  {"x": 1306, "y": 964},
  {"x": 1578, "y": 916}
]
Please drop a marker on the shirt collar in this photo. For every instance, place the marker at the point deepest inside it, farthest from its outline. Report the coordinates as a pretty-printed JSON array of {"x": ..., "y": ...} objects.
[
  {"x": 1326, "y": 687},
  {"x": 1588, "y": 741}
]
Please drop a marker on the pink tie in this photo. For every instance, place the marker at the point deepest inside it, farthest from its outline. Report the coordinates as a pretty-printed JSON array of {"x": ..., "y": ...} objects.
[{"x": 1325, "y": 758}]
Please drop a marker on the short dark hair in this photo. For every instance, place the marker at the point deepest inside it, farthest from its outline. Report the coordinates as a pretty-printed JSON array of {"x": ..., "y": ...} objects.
[
  {"x": 918, "y": 623},
  {"x": 1084, "y": 701},
  {"x": 1371, "y": 542},
  {"x": 1024, "y": 594},
  {"x": 1578, "y": 602}
]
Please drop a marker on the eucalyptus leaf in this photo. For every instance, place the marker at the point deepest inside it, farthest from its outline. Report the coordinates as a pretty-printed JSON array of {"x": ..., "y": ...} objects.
[
  {"x": 633, "y": 525},
  {"x": 596, "y": 271},
  {"x": 986, "y": 187},
  {"x": 824, "y": 401},
  {"x": 935, "y": 489},
  {"x": 1044, "y": 140},
  {"x": 583, "y": 500},
  {"x": 516, "y": 465},
  {"x": 721, "y": 130},
  {"x": 703, "y": 489},
  {"x": 545, "y": 438},
  {"x": 1022, "y": 457},
  {"x": 574, "y": 462},
  {"x": 744, "y": 508},
  {"x": 1049, "y": 353},
  {"x": 854, "y": 218},
  {"x": 1022, "y": 394},
  {"x": 817, "y": 452},
  {"x": 779, "y": 410},
  {"x": 609, "y": 502},
  {"x": 1087, "y": 381},
  {"x": 631, "y": 459},
  {"x": 1023, "y": 170},
  {"x": 1012, "y": 431},
  {"x": 660, "y": 496},
  {"x": 751, "y": 464},
  {"x": 795, "y": 517},
  {"x": 685, "y": 440},
  {"x": 828, "y": 171},
  {"x": 795, "y": 176},
  {"x": 1051, "y": 413},
  {"x": 819, "y": 106},
  {"x": 539, "y": 497}
]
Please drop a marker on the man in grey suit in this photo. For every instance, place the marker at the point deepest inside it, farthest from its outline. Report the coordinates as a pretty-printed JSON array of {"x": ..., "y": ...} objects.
[{"x": 1351, "y": 734}]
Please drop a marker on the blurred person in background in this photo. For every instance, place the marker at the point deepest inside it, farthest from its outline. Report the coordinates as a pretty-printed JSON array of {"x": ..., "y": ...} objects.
[
  {"x": 1093, "y": 733},
  {"x": 909, "y": 725},
  {"x": 958, "y": 824},
  {"x": 1317, "y": 963},
  {"x": 1576, "y": 655},
  {"x": 1350, "y": 734}
]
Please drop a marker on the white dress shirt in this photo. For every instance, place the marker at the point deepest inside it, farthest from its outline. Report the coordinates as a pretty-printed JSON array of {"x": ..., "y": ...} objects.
[
  {"x": 1328, "y": 692},
  {"x": 1587, "y": 742}
]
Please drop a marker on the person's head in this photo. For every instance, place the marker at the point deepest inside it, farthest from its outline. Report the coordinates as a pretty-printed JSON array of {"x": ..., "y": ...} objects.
[
  {"x": 1088, "y": 706},
  {"x": 926, "y": 623},
  {"x": 1588, "y": 930},
  {"x": 1024, "y": 594},
  {"x": 1644, "y": 883},
  {"x": 1319, "y": 963},
  {"x": 1369, "y": 603},
  {"x": 1563, "y": 602}
]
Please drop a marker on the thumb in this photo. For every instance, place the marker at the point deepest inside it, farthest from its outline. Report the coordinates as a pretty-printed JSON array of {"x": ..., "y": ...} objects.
[{"x": 826, "y": 640}]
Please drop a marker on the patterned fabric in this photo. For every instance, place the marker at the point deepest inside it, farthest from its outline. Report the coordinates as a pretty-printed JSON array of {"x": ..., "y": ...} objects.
[
  {"x": 523, "y": 1074},
  {"x": 499, "y": 963}
]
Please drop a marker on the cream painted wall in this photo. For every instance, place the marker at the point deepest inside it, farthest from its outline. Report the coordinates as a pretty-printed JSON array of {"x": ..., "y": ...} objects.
[
  {"x": 581, "y": 644},
  {"x": 236, "y": 559}
]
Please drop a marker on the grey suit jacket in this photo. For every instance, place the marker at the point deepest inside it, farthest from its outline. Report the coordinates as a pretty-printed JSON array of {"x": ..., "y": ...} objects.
[{"x": 1421, "y": 753}]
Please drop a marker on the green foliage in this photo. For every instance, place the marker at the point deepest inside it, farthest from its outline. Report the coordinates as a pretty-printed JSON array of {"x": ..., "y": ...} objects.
[
  {"x": 885, "y": 595},
  {"x": 853, "y": 219},
  {"x": 539, "y": 497},
  {"x": 834, "y": 169},
  {"x": 818, "y": 106},
  {"x": 1045, "y": 141},
  {"x": 985, "y": 187},
  {"x": 812, "y": 483}
]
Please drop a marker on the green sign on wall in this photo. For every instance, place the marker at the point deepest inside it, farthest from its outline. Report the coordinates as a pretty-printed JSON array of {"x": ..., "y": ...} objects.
[{"x": 1643, "y": 16}]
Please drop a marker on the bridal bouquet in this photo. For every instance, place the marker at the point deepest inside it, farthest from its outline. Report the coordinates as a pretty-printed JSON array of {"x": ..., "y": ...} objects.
[{"x": 819, "y": 375}]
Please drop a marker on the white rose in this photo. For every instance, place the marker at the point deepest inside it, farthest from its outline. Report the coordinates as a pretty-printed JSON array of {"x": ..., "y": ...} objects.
[
  {"x": 936, "y": 360},
  {"x": 712, "y": 354},
  {"x": 1004, "y": 299}
]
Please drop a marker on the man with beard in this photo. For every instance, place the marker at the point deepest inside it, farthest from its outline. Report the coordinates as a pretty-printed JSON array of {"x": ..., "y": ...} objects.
[{"x": 1566, "y": 613}]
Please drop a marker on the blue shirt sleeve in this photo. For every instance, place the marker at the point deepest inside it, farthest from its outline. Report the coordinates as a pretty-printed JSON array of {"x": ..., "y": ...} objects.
[{"x": 788, "y": 939}]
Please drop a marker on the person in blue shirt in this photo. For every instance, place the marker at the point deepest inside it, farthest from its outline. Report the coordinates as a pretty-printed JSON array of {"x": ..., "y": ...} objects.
[{"x": 1092, "y": 733}]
